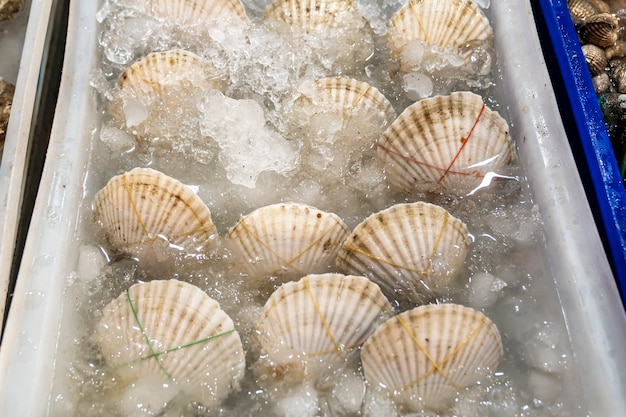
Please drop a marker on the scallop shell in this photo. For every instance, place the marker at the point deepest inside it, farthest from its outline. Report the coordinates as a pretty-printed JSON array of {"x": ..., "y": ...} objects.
[
  {"x": 600, "y": 29},
  {"x": 158, "y": 96},
  {"x": 311, "y": 328},
  {"x": 198, "y": 11},
  {"x": 411, "y": 250},
  {"x": 445, "y": 143},
  {"x": 339, "y": 121},
  {"x": 140, "y": 206},
  {"x": 446, "y": 24},
  {"x": 310, "y": 15},
  {"x": 287, "y": 239},
  {"x": 147, "y": 78},
  {"x": 172, "y": 331},
  {"x": 349, "y": 95},
  {"x": 424, "y": 356}
]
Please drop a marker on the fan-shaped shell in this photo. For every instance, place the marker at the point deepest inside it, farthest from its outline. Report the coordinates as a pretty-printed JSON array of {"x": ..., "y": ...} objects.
[
  {"x": 447, "y": 143},
  {"x": 349, "y": 95},
  {"x": 424, "y": 356},
  {"x": 140, "y": 206},
  {"x": 446, "y": 24},
  {"x": 600, "y": 30},
  {"x": 311, "y": 327},
  {"x": 148, "y": 77},
  {"x": 172, "y": 331},
  {"x": 197, "y": 11},
  {"x": 287, "y": 239},
  {"x": 411, "y": 250},
  {"x": 307, "y": 15}
]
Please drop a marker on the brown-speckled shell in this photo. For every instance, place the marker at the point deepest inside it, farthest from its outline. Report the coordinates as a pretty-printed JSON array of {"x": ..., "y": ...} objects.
[
  {"x": 198, "y": 11},
  {"x": 425, "y": 356}
]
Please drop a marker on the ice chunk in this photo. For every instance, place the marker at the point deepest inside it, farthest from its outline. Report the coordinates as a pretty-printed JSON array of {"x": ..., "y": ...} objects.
[
  {"x": 546, "y": 387},
  {"x": 417, "y": 85},
  {"x": 484, "y": 289},
  {"x": 90, "y": 262},
  {"x": 300, "y": 402},
  {"x": 348, "y": 394},
  {"x": 247, "y": 146},
  {"x": 116, "y": 140},
  {"x": 483, "y": 3}
]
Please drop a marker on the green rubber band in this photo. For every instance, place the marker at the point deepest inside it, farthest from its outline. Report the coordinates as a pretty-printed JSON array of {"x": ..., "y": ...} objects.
[
  {"x": 143, "y": 332},
  {"x": 197, "y": 342}
]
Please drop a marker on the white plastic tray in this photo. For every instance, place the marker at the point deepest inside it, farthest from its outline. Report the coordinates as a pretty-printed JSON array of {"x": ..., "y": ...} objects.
[
  {"x": 30, "y": 46},
  {"x": 595, "y": 319}
]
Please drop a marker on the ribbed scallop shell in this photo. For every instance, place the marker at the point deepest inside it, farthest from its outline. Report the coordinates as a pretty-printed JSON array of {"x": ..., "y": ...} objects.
[
  {"x": 287, "y": 239},
  {"x": 446, "y": 24},
  {"x": 158, "y": 95},
  {"x": 308, "y": 15},
  {"x": 143, "y": 205},
  {"x": 350, "y": 95},
  {"x": 581, "y": 10},
  {"x": 411, "y": 250},
  {"x": 312, "y": 327},
  {"x": 445, "y": 143},
  {"x": 595, "y": 58},
  {"x": 172, "y": 331},
  {"x": 147, "y": 78},
  {"x": 197, "y": 11},
  {"x": 424, "y": 356}
]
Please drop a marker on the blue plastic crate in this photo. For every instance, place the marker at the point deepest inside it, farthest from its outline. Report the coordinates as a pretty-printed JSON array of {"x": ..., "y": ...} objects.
[{"x": 586, "y": 130}]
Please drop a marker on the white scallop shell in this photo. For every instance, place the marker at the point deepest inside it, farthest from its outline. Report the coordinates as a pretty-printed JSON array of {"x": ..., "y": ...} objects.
[
  {"x": 287, "y": 239},
  {"x": 339, "y": 121},
  {"x": 312, "y": 327},
  {"x": 198, "y": 11},
  {"x": 449, "y": 143},
  {"x": 142, "y": 206},
  {"x": 310, "y": 14},
  {"x": 424, "y": 356},
  {"x": 172, "y": 331},
  {"x": 446, "y": 24},
  {"x": 349, "y": 95},
  {"x": 411, "y": 250},
  {"x": 159, "y": 94}
]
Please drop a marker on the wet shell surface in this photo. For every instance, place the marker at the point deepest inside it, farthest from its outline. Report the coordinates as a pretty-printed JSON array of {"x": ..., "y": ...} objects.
[
  {"x": 307, "y": 15},
  {"x": 173, "y": 332},
  {"x": 445, "y": 143},
  {"x": 424, "y": 356},
  {"x": 595, "y": 58},
  {"x": 141, "y": 206},
  {"x": 349, "y": 95},
  {"x": 314, "y": 327},
  {"x": 446, "y": 24},
  {"x": 411, "y": 250},
  {"x": 162, "y": 83},
  {"x": 198, "y": 11},
  {"x": 286, "y": 239},
  {"x": 600, "y": 30}
]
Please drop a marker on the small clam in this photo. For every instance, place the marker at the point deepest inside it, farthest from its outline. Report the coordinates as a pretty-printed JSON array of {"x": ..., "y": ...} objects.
[
  {"x": 287, "y": 240},
  {"x": 190, "y": 12},
  {"x": 449, "y": 25},
  {"x": 141, "y": 206},
  {"x": 595, "y": 58},
  {"x": 581, "y": 10},
  {"x": 617, "y": 73},
  {"x": 423, "y": 357},
  {"x": 600, "y": 30},
  {"x": 162, "y": 83},
  {"x": 314, "y": 327},
  {"x": 411, "y": 250},
  {"x": 446, "y": 143},
  {"x": 173, "y": 333}
]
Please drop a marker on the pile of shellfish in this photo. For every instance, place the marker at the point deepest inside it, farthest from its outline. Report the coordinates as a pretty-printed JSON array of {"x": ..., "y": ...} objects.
[
  {"x": 603, "y": 42},
  {"x": 318, "y": 301}
]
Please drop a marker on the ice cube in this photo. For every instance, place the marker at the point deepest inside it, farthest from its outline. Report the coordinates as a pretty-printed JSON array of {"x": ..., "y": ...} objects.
[
  {"x": 91, "y": 260},
  {"x": 116, "y": 140},
  {"x": 302, "y": 401},
  {"x": 348, "y": 393},
  {"x": 417, "y": 85},
  {"x": 484, "y": 289}
]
